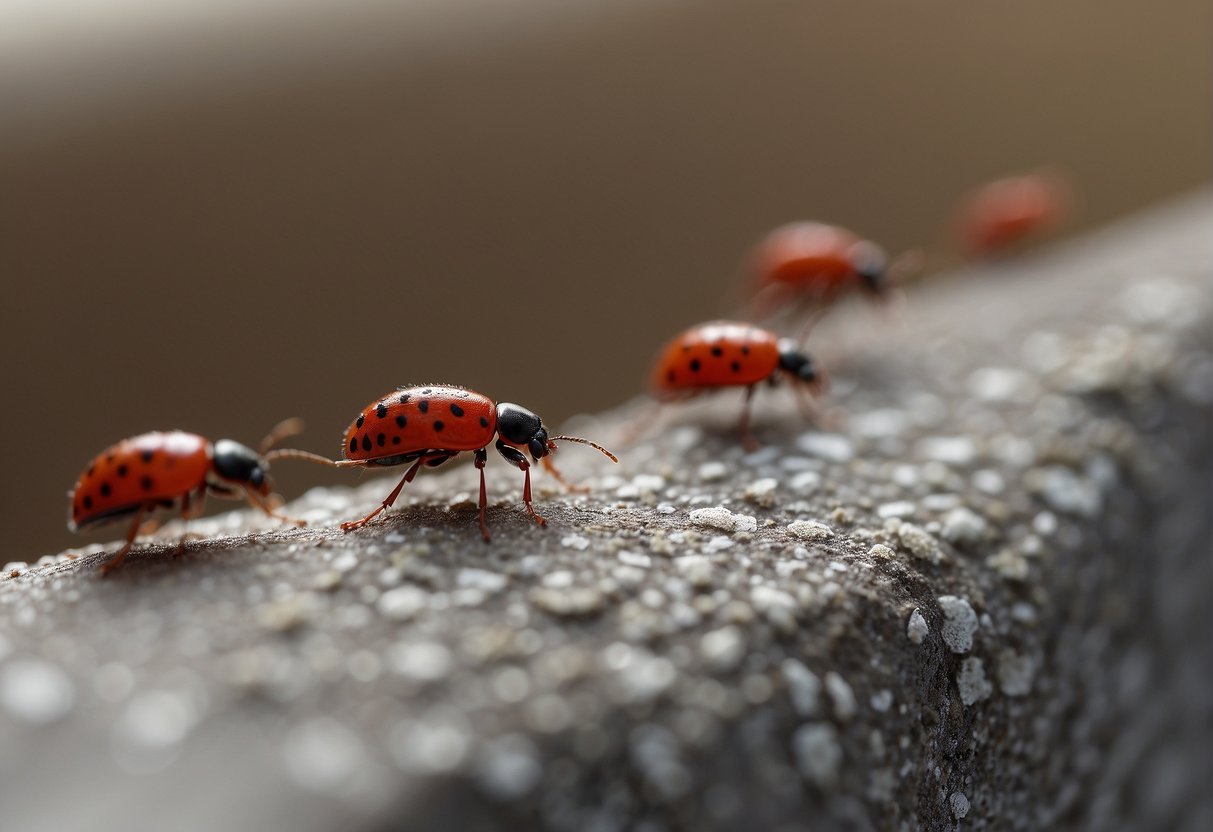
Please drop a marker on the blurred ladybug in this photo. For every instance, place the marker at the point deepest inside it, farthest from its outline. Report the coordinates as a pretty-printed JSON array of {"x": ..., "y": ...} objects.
[
  {"x": 723, "y": 354},
  {"x": 811, "y": 264},
  {"x": 1007, "y": 211},
  {"x": 167, "y": 469},
  {"x": 427, "y": 425}
]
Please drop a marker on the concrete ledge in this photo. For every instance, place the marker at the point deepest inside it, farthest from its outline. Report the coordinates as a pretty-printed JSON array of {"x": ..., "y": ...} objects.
[{"x": 981, "y": 603}]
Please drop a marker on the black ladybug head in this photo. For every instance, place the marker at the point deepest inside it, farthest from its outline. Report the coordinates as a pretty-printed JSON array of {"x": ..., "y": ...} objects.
[
  {"x": 792, "y": 360},
  {"x": 521, "y": 428},
  {"x": 872, "y": 266},
  {"x": 240, "y": 465}
]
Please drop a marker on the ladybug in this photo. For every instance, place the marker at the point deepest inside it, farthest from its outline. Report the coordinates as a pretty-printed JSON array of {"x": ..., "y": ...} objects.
[
  {"x": 815, "y": 264},
  {"x": 168, "y": 468},
  {"x": 732, "y": 354},
  {"x": 1007, "y": 211},
  {"x": 428, "y": 425}
]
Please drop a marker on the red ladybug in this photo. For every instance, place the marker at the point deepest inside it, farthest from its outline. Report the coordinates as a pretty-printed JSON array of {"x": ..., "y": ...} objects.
[
  {"x": 816, "y": 264},
  {"x": 1006, "y": 211},
  {"x": 730, "y": 354},
  {"x": 427, "y": 425},
  {"x": 163, "y": 469}
]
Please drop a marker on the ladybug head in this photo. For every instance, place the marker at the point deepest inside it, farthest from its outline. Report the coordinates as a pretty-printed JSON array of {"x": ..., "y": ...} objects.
[
  {"x": 798, "y": 364},
  {"x": 872, "y": 266},
  {"x": 521, "y": 428},
  {"x": 240, "y": 465}
]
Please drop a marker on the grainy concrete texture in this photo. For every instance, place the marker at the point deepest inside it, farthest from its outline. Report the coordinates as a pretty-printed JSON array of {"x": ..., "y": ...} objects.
[{"x": 978, "y": 601}]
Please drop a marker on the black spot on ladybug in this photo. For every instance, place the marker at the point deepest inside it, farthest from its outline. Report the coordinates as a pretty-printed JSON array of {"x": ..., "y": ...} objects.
[
  {"x": 695, "y": 365},
  {"x": 745, "y": 350},
  {"x": 395, "y": 440},
  {"x": 353, "y": 445},
  {"x": 737, "y": 366},
  {"x": 484, "y": 423},
  {"x": 456, "y": 410},
  {"x": 122, "y": 470},
  {"x": 404, "y": 398},
  {"x": 147, "y": 456},
  {"x": 366, "y": 442},
  {"x": 401, "y": 421},
  {"x": 438, "y": 426},
  {"x": 381, "y": 410},
  {"x": 105, "y": 489},
  {"x": 88, "y": 501},
  {"x": 381, "y": 440},
  {"x": 423, "y": 405},
  {"x": 358, "y": 424},
  {"x": 717, "y": 351},
  {"x": 147, "y": 483}
]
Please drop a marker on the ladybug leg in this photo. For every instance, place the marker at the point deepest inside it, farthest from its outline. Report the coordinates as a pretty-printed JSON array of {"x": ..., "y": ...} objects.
[
  {"x": 515, "y": 458},
  {"x": 257, "y": 501},
  {"x": 480, "y": 458},
  {"x": 748, "y": 440},
  {"x": 116, "y": 560},
  {"x": 192, "y": 504},
  {"x": 391, "y": 498},
  {"x": 551, "y": 468}
]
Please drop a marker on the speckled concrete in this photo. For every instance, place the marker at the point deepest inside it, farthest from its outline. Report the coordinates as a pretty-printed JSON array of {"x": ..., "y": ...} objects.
[{"x": 979, "y": 600}]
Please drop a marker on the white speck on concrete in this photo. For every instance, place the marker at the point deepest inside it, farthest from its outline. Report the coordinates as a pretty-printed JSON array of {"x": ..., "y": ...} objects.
[
  {"x": 959, "y": 804},
  {"x": 422, "y": 661},
  {"x": 35, "y": 691},
  {"x": 879, "y": 424},
  {"x": 804, "y": 687},
  {"x": 818, "y": 754},
  {"x": 649, "y": 483},
  {"x": 432, "y": 745},
  {"x": 481, "y": 579},
  {"x": 402, "y": 603},
  {"x": 719, "y": 517},
  {"x": 1000, "y": 384},
  {"x": 919, "y": 542},
  {"x": 1065, "y": 491},
  {"x": 1015, "y": 673},
  {"x": 810, "y": 530},
  {"x": 636, "y": 559},
  {"x": 761, "y": 492},
  {"x": 972, "y": 681},
  {"x": 950, "y": 450},
  {"x": 917, "y": 629},
  {"x": 881, "y": 700},
  {"x": 697, "y": 569},
  {"x": 508, "y": 767},
  {"x": 897, "y": 508},
  {"x": 806, "y": 482},
  {"x": 828, "y": 446},
  {"x": 989, "y": 481},
  {"x": 963, "y": 526},
  {"x": 718, "y": 544},
  {"x": 723, "y": 649},
  {"x": 575, "y": 541},
  {"x": 570, "y": 602},
  {"x": 841, "y": 694},
  {"x": 959, "y": 623},
  {"x": 880, "y": 551},
  {"x": 324, "y": 756},
  {"x": 713, "y": 471}
]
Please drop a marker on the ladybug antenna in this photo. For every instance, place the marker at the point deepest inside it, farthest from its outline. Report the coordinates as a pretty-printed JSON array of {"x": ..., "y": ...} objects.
[
  {"x": 307, "y": 456},
  {"x": 593, "y": 445},
  {"x": 287, "y": 427}
]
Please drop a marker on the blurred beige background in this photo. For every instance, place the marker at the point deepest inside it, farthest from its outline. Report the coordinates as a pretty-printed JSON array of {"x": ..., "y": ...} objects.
[{"x": 222, "y": 214}]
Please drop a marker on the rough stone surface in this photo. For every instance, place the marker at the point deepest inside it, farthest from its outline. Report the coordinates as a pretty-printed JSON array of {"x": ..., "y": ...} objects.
[{"x": 707, "y": 638}]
